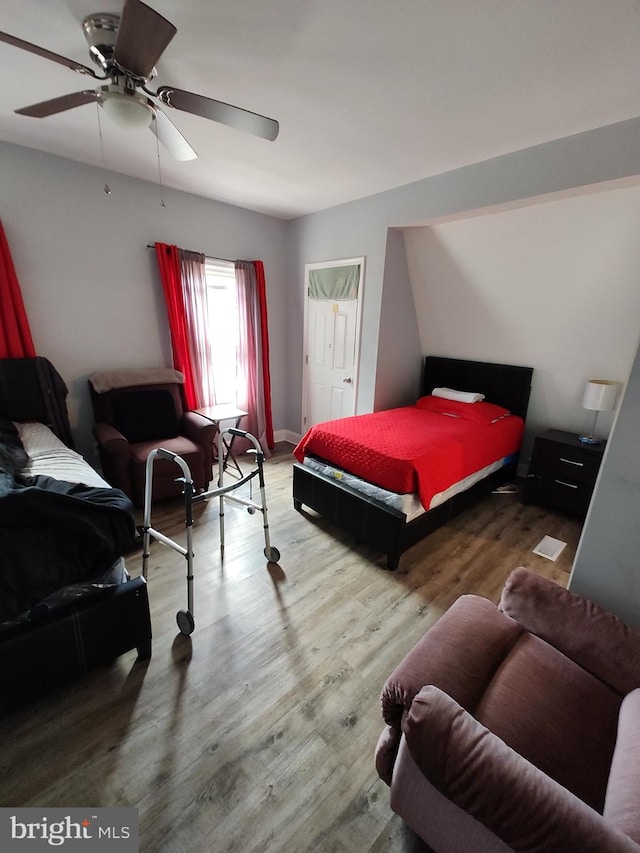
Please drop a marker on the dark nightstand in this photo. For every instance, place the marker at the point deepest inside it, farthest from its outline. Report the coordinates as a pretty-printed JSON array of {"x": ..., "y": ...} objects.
[{"x": 562, "y": 471}]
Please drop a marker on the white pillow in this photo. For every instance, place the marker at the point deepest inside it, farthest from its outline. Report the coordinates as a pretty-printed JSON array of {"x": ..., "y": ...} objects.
[
  {"x": 460, "y": 396},
  {"x": 37, "y": 439}
]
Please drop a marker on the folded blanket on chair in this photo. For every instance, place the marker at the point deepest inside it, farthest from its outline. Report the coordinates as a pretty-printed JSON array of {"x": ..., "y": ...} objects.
[{"x": 107, "y": 380}]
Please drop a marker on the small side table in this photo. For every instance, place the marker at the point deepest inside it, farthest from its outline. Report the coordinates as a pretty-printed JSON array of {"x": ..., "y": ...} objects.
[
  {"x": 563, "y": 471},
  {"x": 224, "y": 416}
]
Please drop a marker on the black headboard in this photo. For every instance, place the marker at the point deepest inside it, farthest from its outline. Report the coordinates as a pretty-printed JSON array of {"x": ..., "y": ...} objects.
[{"x": 507, "y": 385}]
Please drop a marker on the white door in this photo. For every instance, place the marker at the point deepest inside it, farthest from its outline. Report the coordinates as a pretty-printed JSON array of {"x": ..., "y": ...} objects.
[{"x": 331, "y": 355}]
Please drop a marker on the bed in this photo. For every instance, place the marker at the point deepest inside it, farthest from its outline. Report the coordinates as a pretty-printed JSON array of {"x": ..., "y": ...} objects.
[
  {"x": 391, "y": 521},
  {"x": 67, "y": 602}
]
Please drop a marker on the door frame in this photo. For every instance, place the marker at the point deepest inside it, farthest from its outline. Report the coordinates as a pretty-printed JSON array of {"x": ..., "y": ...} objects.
[{"x": 343, "y": 262}]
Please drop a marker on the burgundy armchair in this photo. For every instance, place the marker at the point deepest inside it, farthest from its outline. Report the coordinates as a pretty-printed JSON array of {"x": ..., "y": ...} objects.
[
  {"x": 137, "y": 411},
  {"x": 517, "y": 727}
]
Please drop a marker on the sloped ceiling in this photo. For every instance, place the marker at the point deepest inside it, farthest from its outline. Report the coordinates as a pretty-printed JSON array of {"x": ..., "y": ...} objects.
[{"x": 370, "y": 94}]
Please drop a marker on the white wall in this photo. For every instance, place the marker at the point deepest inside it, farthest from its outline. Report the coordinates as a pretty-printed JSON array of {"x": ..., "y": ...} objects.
[
  {"x": 91, "y": 287},
  {"x": 553, "y": 285}
]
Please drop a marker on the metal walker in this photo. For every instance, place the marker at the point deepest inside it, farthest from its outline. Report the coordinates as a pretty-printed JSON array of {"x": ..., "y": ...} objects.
[{"x": 184, "y": 618}]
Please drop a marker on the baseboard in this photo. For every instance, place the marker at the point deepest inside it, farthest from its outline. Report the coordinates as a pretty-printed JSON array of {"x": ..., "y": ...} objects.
[{"x": 286, "y": 435}]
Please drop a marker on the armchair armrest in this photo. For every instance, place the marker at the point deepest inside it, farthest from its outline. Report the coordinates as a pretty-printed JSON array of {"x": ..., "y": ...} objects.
[
  {"x": 115, "y": 452},
  {"x": 111, "y": 440},
  {"x": 592, "y": 637},
  {"x": 198, "y": 428},
  {"x": 477, "y": 771},
  {"x": 459, "y": 653},
  {"x": 202, "y": 432}
]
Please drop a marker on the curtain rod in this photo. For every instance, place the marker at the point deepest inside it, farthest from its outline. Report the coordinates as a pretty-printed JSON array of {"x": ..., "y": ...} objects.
[{"x": 228, "y": 260}]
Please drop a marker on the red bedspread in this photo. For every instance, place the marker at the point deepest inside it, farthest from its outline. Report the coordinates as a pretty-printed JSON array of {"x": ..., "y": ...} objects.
[{"x": 409, "y": 449}]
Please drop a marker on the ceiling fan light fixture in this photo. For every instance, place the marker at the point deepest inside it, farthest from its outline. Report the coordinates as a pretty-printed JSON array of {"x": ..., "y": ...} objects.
[{"x": 127, "y": 111}]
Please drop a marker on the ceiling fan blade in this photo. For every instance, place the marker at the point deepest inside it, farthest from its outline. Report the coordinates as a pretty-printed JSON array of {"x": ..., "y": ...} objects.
[
  {"x": 169, "y": 136},
  {"x": 227, "y": 114},
  {"x": 59, "y": 105},
  {"x": 47, "y": 54},
  {"x": 143, "y": 35}
]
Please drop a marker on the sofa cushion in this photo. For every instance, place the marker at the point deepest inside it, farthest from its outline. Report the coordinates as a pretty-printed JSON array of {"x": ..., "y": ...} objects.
[
  {"x": 146, "y": 414},
  {"x": 537, "y": 695},
  {"x": 591, "y": 636}
]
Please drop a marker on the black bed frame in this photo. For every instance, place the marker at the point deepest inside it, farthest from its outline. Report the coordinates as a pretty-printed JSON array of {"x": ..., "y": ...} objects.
[
  {"x": 58, "y": 645},
  {"x": 386, "y": 529}
]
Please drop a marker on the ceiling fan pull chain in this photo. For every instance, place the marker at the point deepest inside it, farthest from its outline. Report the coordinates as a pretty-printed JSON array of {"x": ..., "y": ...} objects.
[
  {"x": 107, "y": 188},
  {"x": 162, "y": 204}
]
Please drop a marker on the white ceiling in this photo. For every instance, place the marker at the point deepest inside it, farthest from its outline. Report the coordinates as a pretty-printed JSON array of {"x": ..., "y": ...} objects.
[{"x": 370, "y": 94}]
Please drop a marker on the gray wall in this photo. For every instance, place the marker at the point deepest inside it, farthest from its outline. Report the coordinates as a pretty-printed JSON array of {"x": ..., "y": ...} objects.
[
  {"x": 91, "y": 287},
  {"x": 607, "y": 564},
  {"x": 399, "y": 374}
]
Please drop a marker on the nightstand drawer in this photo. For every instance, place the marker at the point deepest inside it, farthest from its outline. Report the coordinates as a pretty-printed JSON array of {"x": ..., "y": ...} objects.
[
  {"x": 567, "y": 495},
  {"x": 564, "y": 494},
  {"x": 566, "y": 463}
]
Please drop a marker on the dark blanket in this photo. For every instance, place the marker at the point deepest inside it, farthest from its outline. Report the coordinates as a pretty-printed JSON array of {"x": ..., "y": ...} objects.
[{"x": 53, "y": 533}]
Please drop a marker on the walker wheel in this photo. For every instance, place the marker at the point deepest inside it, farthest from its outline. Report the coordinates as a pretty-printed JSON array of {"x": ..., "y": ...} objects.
[
  {"x": 185, "y": 622},
  {"x": 272, "y": 554},
  {"x": 251, "y": 510}
]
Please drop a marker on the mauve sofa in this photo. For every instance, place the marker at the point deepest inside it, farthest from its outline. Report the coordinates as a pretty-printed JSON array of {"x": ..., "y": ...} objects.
[{"x": 517, "y": 727}]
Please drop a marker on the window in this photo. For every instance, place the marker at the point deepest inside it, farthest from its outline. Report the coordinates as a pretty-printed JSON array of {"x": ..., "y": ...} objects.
[{"x": 222, "y": 305}]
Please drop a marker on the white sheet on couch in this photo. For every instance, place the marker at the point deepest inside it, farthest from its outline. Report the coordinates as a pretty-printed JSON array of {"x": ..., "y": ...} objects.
[{"x": 50, "y": 457}]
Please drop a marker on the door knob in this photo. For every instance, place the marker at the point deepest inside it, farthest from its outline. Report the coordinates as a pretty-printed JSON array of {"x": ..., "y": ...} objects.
[{"x": 348, "y": 380}]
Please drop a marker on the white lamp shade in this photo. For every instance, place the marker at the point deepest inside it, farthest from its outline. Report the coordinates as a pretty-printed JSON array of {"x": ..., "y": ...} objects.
[{"x": 600, "y": 394}]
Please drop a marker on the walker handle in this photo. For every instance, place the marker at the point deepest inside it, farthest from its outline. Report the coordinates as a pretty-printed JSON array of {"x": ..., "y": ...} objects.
[
  {"x": 241, "y": 433},
  {"x": 167, "y": 454}
]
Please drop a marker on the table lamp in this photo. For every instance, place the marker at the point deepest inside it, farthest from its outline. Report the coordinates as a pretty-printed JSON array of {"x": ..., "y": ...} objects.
[{"x": 599, "y": 396}]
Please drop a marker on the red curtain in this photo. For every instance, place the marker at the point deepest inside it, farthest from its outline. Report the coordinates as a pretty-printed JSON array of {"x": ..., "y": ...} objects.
[
  {"x": 266, "y": 377},
  {"x": 252, "y": 306},
  {"x": 169, "y": 263},
  {"x": 15, "y": 335}
]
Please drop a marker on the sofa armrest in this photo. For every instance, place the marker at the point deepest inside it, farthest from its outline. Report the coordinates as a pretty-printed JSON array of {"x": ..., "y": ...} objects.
[
  {"x": 111, "y": 440},
  {"x": 459, "y": 653},
  {"x": 477, "y": 771},
  {"x": 621, "y": 807},
  {"x": 592, "y": 637},
  {"x": 386, "y": 752}
]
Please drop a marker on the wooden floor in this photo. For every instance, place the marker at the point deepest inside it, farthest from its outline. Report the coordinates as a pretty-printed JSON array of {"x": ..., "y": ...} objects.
[{"x": 257, "y": 733}]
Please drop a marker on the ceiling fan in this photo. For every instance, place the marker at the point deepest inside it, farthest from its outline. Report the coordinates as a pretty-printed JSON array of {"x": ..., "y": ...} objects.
[{"x": 125, "y": 48}]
